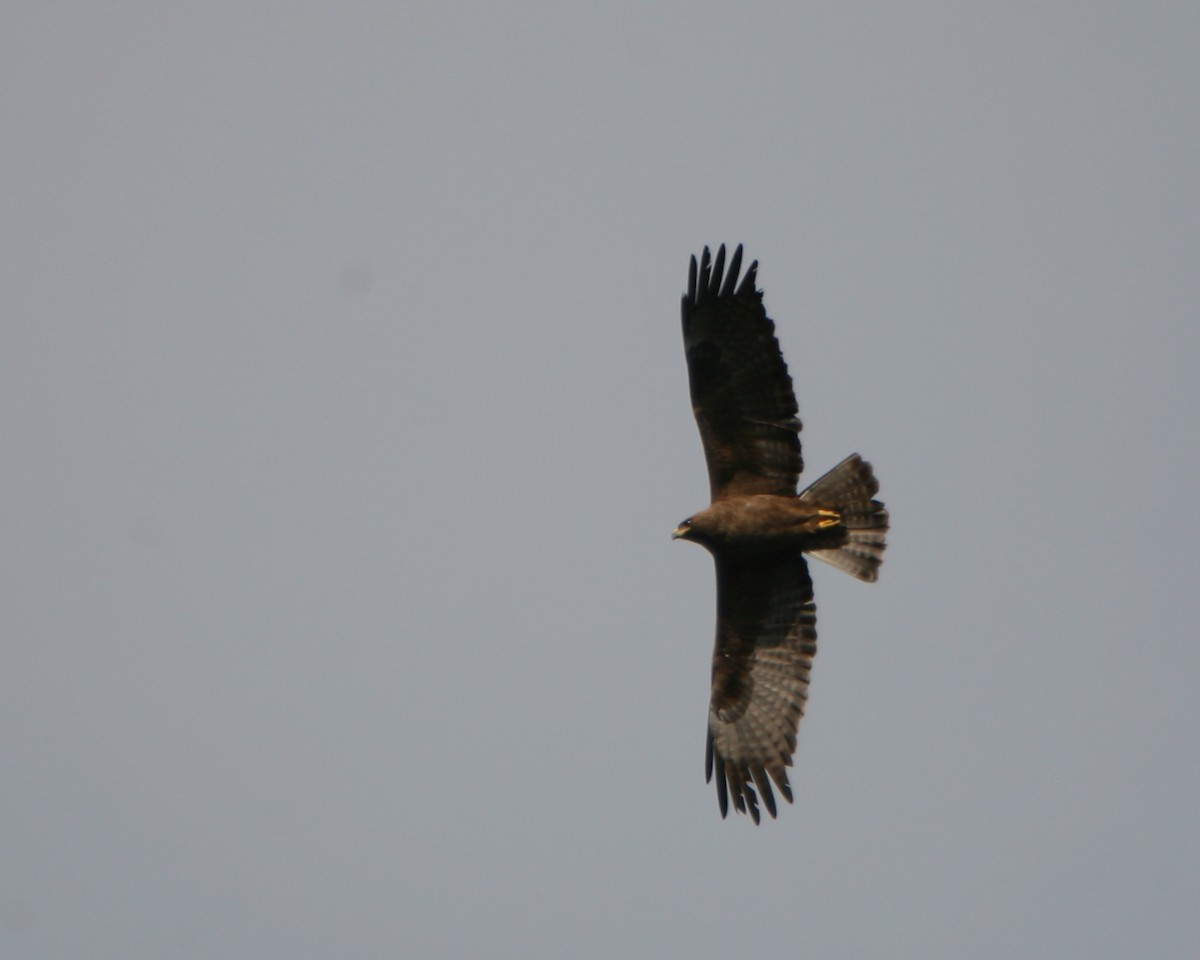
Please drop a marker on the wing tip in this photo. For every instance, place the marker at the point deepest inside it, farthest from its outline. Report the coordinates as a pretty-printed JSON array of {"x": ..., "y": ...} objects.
[
  {"x": 747, "y": 786},
  {"x": 713, "y": 759},
  {"x": 708, "y": 278}
]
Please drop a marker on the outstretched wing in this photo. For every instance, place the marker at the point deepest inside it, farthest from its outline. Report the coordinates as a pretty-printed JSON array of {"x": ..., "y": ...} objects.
[
  {"x": 741, "y": 392},
  {"x": 766, "y": 640}
]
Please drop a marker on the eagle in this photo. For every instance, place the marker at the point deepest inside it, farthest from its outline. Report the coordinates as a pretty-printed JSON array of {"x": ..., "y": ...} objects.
[{"x": 758, "y": 529}]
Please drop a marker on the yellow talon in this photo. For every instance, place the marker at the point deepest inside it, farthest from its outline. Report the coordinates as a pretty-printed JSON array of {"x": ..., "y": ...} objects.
[{"x": 828, "y": 518}]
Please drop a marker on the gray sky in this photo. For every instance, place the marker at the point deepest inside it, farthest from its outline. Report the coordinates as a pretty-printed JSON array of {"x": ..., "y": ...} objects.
[{"x": 345, "y": 425}]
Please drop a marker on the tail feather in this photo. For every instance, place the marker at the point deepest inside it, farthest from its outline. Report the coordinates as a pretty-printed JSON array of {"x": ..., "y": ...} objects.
[{"x": 849, "y": 488}]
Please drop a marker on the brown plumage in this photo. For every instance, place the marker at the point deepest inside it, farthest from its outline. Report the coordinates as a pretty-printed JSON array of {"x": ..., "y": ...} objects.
[{"x": 758, "y": 529}]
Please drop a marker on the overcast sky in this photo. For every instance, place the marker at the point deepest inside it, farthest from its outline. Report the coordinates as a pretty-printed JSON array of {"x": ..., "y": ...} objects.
[{"x": 345, "y": 425}]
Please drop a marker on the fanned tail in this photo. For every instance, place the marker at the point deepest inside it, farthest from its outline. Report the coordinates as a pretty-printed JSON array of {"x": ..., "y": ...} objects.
[{"x": 849, "y": 488}]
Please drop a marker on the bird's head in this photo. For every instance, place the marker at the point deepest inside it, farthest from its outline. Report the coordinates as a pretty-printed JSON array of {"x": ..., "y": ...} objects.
[{"x": 701, "y": 528}]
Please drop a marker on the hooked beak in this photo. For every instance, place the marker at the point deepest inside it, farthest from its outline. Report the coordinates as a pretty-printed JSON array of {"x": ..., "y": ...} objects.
[{"x": 680, "y": 532}]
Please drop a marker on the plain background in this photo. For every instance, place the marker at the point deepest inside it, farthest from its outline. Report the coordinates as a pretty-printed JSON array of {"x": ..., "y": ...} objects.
[{"x": 345, "y": 425}]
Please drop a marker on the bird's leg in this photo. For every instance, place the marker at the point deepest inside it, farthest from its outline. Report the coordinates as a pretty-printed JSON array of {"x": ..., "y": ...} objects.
[{"x": 828, "y": 518}]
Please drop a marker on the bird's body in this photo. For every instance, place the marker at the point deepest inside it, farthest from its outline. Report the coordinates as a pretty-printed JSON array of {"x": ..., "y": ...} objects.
[
  {"x": 759, "y": 524},
  {"x": 758, "y": 529}
]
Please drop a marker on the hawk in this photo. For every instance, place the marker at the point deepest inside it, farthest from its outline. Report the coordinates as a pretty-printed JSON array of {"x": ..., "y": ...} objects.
[{"x": 759, "y": 529}]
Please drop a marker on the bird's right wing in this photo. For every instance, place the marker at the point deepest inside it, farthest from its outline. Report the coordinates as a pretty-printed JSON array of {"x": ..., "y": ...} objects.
[{"x": 766, "y": 640}]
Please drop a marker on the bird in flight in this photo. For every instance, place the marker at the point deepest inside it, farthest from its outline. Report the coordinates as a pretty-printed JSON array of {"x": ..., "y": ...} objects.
[{"x": 758, "y": 529}]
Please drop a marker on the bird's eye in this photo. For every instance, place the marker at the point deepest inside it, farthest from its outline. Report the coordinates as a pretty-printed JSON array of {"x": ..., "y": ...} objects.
[{"x": 687, "y": 522}]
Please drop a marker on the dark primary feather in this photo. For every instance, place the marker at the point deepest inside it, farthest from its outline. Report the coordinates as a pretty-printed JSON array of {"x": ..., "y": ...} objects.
[
  {"x": 766, "y": 641},
  {"x": 741, "y": 393}
]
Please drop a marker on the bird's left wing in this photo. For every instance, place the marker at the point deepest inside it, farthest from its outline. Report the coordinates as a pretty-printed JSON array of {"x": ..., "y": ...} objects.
[
  {"x": 741, "y": 393},
  {"x": 766, "y": 640}
]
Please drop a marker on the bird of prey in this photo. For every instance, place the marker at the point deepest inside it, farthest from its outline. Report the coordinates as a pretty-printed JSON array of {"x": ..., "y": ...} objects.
[{"x": 758, "y": 529}]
